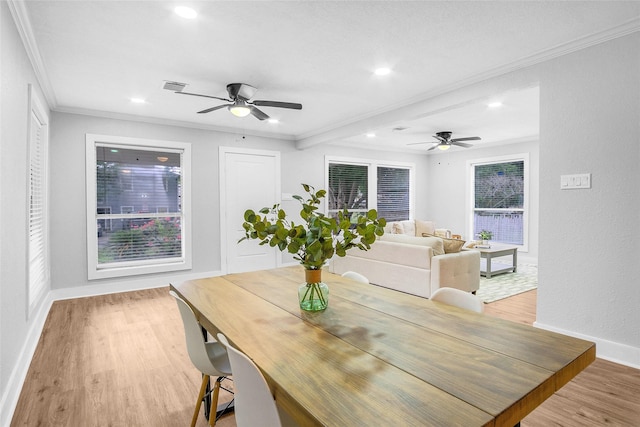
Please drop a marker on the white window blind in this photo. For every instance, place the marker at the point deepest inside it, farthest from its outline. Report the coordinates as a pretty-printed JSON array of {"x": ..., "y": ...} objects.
[
  {"x": 38, "y": 251},
  {"x": 137, "y": 210},
  {"x": 348, "y": 188},
  {"x": 394, "y": 193},
  {"x": 360, "y": 185}
]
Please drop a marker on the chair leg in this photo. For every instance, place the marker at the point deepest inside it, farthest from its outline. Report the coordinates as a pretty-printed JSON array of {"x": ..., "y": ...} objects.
[
  {"x": 214, "y": 402},
  {"x": 203, "y": 388}
]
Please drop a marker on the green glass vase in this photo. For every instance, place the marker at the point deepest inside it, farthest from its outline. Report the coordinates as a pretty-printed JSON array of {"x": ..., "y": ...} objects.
[{"x": 313, "y": 295}]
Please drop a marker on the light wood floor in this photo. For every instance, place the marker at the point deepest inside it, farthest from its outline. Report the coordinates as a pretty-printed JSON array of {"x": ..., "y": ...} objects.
[{"x": 120, "y": 360}]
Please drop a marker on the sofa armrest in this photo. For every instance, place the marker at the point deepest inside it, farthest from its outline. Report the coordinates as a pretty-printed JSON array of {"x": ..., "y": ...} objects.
[{"x": 459, "y": 270}]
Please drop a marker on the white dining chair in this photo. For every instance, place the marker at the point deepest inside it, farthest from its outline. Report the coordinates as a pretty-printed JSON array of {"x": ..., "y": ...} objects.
[
  {"x": 355, "y": 276},
  {"x": 458, "y": 298},
  {"x": 209, "y": 357},
  {"x": 254, "y": 404}
]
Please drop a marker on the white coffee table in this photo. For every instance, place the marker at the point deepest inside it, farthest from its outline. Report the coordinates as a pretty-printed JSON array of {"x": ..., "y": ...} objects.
[{"x": 496, "y": 251}]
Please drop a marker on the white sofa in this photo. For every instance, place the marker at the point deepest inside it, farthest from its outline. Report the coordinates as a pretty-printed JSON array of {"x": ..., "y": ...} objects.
[{"x": 412, "y": 264}]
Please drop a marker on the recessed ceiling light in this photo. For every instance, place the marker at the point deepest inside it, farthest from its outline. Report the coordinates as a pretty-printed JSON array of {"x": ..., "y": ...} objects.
[
  {"x": 185, "y": 12},
  {"x": 382, "y": 71},
  {"x": 138, "y": 100},
  {"x": 494, "y": 104},
  {"x": 370, "y": 135},
  {"x": 274, "y": 121}
]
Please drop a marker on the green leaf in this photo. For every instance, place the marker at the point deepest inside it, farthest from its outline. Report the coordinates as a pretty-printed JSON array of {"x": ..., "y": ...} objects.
[{"x": 250, "y": 216}]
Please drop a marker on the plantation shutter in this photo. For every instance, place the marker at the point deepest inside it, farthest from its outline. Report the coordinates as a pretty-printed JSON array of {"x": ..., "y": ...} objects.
[
  {"x": 393, "y": 193},
  {"x": 38, "y": 257}
]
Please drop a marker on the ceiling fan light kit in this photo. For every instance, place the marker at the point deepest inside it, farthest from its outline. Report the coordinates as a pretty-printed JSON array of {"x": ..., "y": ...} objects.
[
  {"x": 240, "y": 109},
  {"x": 445, "y": 142},
  {"x": 240, "y": 104}
]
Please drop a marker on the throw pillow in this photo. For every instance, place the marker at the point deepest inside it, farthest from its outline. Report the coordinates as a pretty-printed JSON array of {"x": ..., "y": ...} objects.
[
  {"x": 397, "y": 228},
  {"x": 409, "y": 227},
  {"x": 422, "y": 227},
  {"x": 451, "y": 246}
]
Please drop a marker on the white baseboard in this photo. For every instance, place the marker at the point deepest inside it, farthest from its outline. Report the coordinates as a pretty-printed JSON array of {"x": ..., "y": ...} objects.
[
  {"x": 608, "y": 350},
  {"x": 113, "y": 286},
  {"x": 19, "y": 372}
]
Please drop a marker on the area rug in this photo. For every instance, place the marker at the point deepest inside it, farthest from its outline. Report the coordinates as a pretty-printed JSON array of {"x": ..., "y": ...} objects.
[{"x": 508, "y": 284}]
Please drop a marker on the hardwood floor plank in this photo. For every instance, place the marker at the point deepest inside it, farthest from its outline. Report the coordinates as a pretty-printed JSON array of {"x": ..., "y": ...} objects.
[{"x": 121, "y": 360}]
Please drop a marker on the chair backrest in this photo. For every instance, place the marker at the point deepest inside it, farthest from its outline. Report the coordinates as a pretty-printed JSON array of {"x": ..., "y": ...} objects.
[
  {"x": 254, "y": 404},
  {"x": 193, "y": 333},
  {"x": 459, "y": 298},
  {"x": 355, "y": 276}
]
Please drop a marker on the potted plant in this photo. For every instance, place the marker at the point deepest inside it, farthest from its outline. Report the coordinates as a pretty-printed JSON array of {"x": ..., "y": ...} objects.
[
  {"x": 313, "y": 242},
  {"x": 485, "y": 236}
]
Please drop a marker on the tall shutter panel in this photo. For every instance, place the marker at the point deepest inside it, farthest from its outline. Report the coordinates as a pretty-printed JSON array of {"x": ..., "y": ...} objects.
[{"x": 38, "y": 257}]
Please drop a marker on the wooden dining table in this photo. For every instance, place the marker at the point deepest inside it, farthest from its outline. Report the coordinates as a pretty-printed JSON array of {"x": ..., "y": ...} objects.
[{"x": 378, "y": 357}]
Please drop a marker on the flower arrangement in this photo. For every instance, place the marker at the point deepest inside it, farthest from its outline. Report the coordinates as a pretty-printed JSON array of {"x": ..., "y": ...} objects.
[
  {"x": 321, "y": 237},
  {"x": 315, "y": 241},
  {"x": 485, "y": 235}
]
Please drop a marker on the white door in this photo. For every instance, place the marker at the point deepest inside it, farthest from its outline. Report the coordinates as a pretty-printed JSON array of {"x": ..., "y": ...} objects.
[{"x": 249, "y": 179}]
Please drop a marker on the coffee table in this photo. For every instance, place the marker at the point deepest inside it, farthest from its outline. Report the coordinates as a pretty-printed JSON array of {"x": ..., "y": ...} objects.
[{"x": 496, "y": 251}]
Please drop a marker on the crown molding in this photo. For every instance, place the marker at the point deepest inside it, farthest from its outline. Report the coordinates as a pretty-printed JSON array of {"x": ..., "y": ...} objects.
[
  {"x": 170, "y": 122},
  {"x": 23, "y": 24},
  {"x": 346, "y": 128}
]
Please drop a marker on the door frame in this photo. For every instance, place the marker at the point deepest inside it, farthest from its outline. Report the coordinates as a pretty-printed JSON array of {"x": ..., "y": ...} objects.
[{"x": 222, "y": 155}]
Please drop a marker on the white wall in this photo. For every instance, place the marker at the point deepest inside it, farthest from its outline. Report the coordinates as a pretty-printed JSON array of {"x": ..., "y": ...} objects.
[
  {"x": 68, "y": 211},
  {"x": 448, "y": 180},
  {"x": 15, "y": 76},
  {"x": 589, "y": 272},
  {"x": 588, "y": 252}
]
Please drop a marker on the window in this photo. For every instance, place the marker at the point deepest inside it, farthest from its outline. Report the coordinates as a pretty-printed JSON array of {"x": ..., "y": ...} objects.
[
  {"x": 362, "y": 185},
  {"x": 394, "y": 193},
  {"x": 499, "y": 199},
  {"x": 38, "y": 250},
  {"x": 138, "y": 206}
]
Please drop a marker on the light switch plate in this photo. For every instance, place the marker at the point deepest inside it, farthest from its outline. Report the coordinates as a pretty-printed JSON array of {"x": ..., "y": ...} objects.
[{"x": 575, "y": 182}]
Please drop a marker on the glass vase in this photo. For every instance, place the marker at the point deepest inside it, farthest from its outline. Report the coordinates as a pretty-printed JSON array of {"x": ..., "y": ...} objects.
[{"x": 313, "y": 295}]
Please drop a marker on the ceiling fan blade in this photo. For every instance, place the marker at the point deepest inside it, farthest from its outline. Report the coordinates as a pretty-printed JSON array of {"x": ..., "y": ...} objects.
[
  {"x": 461, "y": 144},
  {"x": 425, "y": 142},
  {"x": 434, "y": 147},
  {"x": 470, "y": 138},
  {"x": 204, "y": 96},
  {"x": 291, "y": 105},
  {"x": 439, "y": 138},
  {"x": 259, "y": 114},
  {"x": 217, "y": 107}
]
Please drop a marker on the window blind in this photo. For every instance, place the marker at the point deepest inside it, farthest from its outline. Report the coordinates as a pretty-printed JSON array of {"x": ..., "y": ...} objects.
[
  {"x": 348, "y": 187},
  {"x": 138, "y": 205},
  {"x": 499, "y": 200},
  {"x": 393, "y": 193},
  {"x": 38, "y": 257}
]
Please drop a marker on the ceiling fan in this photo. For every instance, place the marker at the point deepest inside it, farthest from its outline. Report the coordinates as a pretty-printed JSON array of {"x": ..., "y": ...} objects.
[
  {"x": 239, "y": 103},
  {"x": 445, "y": 141}
]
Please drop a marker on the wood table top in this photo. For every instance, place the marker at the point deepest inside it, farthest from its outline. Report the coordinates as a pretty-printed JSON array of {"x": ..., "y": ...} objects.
[{"x": 381, "y": 357}]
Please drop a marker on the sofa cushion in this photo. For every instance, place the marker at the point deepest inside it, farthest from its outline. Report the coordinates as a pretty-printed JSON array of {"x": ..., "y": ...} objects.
[
  {"x": 451, "y": 246},
  {"x": 434, "y": 242},
  {"x": 422, "y": 227}
]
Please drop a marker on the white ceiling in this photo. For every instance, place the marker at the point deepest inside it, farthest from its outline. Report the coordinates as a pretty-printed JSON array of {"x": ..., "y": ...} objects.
[{"x": 93, "y": 56}]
